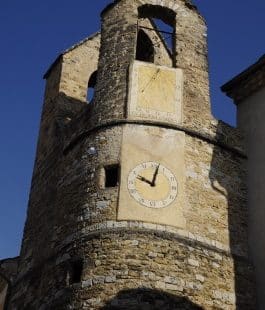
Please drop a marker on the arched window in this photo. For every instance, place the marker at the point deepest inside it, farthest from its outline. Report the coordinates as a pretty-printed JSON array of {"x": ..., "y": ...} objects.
[
  {"x": 91, "y": 86},
  {"x": 156, "y": 40},
  {"x": 145, "y": 49}
]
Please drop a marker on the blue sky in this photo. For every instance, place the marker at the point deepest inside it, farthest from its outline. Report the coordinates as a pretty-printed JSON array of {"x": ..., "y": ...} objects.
[{"x": 33, "y": 33}]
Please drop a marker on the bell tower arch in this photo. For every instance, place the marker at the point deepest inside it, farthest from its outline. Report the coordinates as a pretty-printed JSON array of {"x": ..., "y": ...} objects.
[{"x": 188, "y": 52}]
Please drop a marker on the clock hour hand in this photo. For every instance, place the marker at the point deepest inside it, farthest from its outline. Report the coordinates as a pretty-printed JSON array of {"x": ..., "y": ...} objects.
[
  {"x": 153, "y": 183},
  {"x": 139, "y": 177}
]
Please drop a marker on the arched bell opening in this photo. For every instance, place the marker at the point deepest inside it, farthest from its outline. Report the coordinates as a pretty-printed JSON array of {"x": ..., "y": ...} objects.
[
  {"x": 156, "y": 40},
  {"x": 145, "y": 49}
]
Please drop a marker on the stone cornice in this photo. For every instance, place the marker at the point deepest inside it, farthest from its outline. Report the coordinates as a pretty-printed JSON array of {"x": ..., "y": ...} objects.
[
  {"x": 163, "y": 232},
  {"x": 246, "y": 83},
  {"x": 73, "y": 141}
]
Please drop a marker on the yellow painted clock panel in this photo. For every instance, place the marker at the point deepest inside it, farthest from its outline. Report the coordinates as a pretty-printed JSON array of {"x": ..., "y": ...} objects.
[
  {"x": 152, "y": 176},
  {"x": 155, "y": 93}
]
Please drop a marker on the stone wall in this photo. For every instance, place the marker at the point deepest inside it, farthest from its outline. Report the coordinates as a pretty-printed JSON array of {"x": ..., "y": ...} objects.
[
  {"x": 133, "y": 259},
  {"x": 210, "y": 254},
  {"x": 70, "y": 73},
  {"x": 65, "y": 97},
  {"x": 8, "y": 273},
  {"x": 78, "y": 65},
  {"x": 3, "y": 292}
]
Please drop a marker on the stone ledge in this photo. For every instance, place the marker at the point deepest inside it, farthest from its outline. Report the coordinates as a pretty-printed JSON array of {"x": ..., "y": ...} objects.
[
  {"x": 211, "y": 138},
  {"x": 168, "y": 232},
  {"x": 164, "y": 232}
]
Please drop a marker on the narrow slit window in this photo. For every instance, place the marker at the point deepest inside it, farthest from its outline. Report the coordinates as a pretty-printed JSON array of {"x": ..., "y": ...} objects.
[
  {"x": 90, "y": 94},
  {"x": 75, "y": 272},
  {"x": 111, "y": 176},
  {"x": 91, "y": 86}
]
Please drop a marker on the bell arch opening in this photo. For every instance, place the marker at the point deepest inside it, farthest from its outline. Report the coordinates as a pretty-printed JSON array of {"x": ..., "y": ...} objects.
[
  {"x": 156, "y": 34},
  {"x": 145, "y": 49}
]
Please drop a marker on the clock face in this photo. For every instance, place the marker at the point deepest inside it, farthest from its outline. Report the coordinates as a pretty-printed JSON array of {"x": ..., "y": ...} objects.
[{"x": 152, "y": 185}]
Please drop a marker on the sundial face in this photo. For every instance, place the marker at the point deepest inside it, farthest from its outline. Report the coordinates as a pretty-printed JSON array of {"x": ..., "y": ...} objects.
[
  {"x": 156, "y": 89},
  {"x": 155, "y": 93}
]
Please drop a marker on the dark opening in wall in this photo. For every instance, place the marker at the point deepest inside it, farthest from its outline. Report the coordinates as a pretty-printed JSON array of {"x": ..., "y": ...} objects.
[
  {"x": 75, "y": 271},
  {"x": 112, "y": 176},
  {"x": 91, "y": 86},
  {"x": 145, "y": 49}
]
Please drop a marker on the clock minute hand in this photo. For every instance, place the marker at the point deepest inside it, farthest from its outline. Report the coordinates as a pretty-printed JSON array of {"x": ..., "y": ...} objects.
[{"x": 153, "y": 183}]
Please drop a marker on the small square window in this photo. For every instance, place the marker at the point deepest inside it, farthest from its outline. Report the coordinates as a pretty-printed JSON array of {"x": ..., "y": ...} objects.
[
  {"x": 112, "y": 176},
  {"x": 75, "y": 271}
]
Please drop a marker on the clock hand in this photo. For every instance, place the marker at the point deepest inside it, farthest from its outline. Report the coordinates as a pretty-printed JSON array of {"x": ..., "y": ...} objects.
[
  {"x": 153, "y": 183},
  {"x": 139, "y": 177}
]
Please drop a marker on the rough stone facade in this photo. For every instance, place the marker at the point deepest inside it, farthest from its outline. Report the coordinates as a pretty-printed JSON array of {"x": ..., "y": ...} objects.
[
  {"x": 8, "y": 272},
  {"x": 3, "y": 292},
  {"x": 75, "y": 253}
]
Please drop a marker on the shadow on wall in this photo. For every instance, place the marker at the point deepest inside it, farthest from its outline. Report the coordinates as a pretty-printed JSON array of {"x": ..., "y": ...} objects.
[
  {"x": 149, "y": 299},
  {"x": 228, "y": 178}
]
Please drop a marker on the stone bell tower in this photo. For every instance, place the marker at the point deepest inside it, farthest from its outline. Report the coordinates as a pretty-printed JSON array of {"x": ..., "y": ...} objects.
[{"x": 138, "y": 198}]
